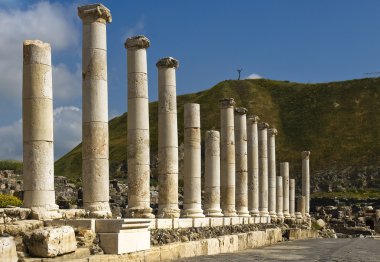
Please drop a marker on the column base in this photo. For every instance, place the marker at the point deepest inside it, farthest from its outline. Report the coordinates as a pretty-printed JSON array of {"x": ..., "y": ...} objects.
[
  {"x": 42, "y": 213},
  {"x": 254, "y": 213},
  {"x": 243, "y": 213},
  {"x": 229, "y": 213},
  {"x": 264, "y": 213},
  {"x": 98, "y": 210},
  {"x": 213, "y": 212},
  {"x": 139, "y": 213},
  {"x": 286, "y": 215},
  {"x": 299, "y": 215},
  {"x": 168, "y": 212},
  {"x": 192, "y": 213},
  {"x": 273, "y": 214}
]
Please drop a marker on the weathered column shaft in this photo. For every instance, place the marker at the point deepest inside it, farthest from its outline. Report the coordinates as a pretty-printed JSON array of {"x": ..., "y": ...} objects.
[
  {"x": 138, "y": 128},
  {"x": 253, "y": 166},
  {"x": 272, "y": 171},
  {"x": 37, "y": 115},
  {"x": 284, "y": 172},
  {"x": 300, "y": 207},
  {"x": 292, "y": 198},
  {"x": 263, "y": 169},
  {"x": 279, "y": 192},
  {"x": 241, "y": 193},
  {"x": 95, "y": 164},
  {"x": 227, "y": 153},
  {"x": 192, "y": 162},
  {"x": 167, "y": 139},
  {"x": 306, "y": 180},
  {"x": 212, "y": 174}
]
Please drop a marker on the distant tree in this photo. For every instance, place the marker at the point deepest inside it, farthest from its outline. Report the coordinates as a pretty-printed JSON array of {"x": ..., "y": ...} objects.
[{"x": 239, "y": 71}]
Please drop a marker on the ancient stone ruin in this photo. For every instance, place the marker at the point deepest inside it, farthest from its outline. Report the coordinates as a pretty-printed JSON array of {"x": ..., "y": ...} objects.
[{"x": 242, "y": 194}]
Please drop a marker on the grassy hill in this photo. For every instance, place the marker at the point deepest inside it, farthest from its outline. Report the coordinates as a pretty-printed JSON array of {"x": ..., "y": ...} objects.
[{"x": 338, "y": 122}]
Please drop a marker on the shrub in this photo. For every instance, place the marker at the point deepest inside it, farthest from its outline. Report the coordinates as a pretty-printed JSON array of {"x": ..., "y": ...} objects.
[
  {"x": 8, "y": 200},
  {"x": 10, "y": 165}
]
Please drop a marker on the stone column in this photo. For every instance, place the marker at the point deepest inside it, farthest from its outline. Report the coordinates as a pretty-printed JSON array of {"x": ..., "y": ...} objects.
[
  {"x": 212, "y": 174},
  {"x": 300, "y": 207},
  {"x": 279, "y": 202},
  {"x": 167, "y": 139},
  {"x": 227, "y": 153},
  {"x": 292, "y": 198},
  {"x": 306, "y": 180},
  {"x": 192, "y": 162},
  {"x": 138, "y": 129},
  {"x": 272, "y": 132},
  {"x": 263, "y": 169},
  {"x": 241, "y": 161},
  {"x": 37, "y": 115},
  {"x": 253, "y": 166},
  {"x": 95, "y": 165},
  {"x": 284, "y": 172}
]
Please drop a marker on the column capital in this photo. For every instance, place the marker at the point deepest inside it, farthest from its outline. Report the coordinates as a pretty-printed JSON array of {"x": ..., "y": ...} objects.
[
  {"x": 137, "y": 42},
  {"x": 305, "y": 154},
  {"x": 94, "y": 13},
  {"x": 241, "y": 110},
  {"x": 253, "y": 119},
  {"x": 272, "y": 131},
  {"x": 167, "y": 62},
  {"x": 263, "y": 125},
  {"x": 226, "y": 102}
]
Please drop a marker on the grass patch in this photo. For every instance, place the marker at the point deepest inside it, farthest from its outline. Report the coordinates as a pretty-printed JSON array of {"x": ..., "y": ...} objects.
[{"x": 10, "y": 165}]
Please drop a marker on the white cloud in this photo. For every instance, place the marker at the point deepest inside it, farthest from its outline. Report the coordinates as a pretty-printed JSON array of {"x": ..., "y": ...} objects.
[
  {"x": 50, "y": 22},
  {"x": 67, "y": 134},
  {"x": 67, "y": 129},
  {"x": 54, "y": 23},
  {"x": 66, "y": 84},
  {"x": 254, "y": 76},
  {"x": 11, "y": 141},
  {"x": 136, "y": 29}
]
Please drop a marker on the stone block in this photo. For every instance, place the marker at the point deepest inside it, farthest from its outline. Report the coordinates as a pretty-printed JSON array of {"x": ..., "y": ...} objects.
[
  {"x": 51, "y": 242},
  {"x": 242, "y": 241},
  {"x": 72, "y": 213},
  {"x": 164, "y": 223},
  {"x": 170, "y": 252},
  {"x": 153, "y": 255},
  {"x": 257, "y": 220},
  {"x": 213, "y": 246},
  {"x": 75, "y": 223},
  {"x": 246, "y": 220},
  {"x": 216, "y": 221},
  {"x": 236, "y": 220},
  {"x": 188, "y": 249},
  {"x": 120, "y": 225},
  {"x": 153, "y": 223},
  {"x": 8, "y": 251},
  {"x": 201, "y": 222},
  {"x": 16, "y": 212},
  {"x": 124, "y": 242},
  {"x": 226, "y": 221},
  {"x": 182, "y": 222}
]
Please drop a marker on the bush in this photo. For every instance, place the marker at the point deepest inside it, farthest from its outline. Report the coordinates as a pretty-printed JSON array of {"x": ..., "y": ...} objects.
[{"x": 7, "y": 200}]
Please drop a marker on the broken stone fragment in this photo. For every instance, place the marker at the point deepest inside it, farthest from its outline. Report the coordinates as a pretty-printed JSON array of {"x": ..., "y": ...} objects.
[{"x": 51, "y": 242}]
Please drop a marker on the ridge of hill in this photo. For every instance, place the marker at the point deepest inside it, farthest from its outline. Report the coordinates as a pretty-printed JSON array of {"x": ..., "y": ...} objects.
[{"x": 338, "y": 122}]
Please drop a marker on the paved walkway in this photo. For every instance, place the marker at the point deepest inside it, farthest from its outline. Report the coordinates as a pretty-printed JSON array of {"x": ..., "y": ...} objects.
[{"x": 342, "y": 250}]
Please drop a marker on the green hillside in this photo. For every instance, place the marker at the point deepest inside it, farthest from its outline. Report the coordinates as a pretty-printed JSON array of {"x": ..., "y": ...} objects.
[{"x": 338, "y": 122}]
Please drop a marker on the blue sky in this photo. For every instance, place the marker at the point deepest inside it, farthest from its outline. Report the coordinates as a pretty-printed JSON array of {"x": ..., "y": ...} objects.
[{"x": 302, "y": 41}]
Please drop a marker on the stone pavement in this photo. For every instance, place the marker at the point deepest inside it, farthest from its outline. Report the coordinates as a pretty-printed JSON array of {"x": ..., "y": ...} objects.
[{"x": 357, "y": 249}]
